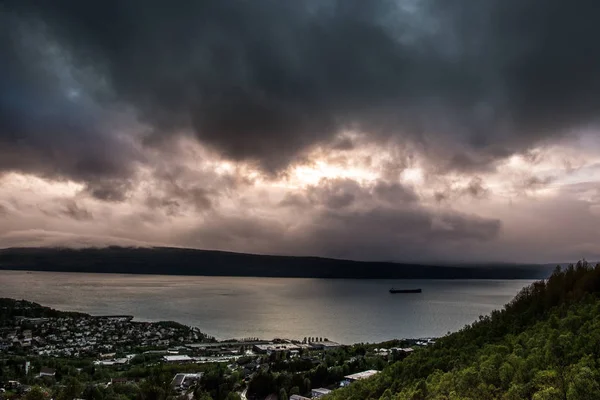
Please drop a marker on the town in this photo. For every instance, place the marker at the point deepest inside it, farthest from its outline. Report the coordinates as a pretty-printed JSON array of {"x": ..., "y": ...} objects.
[{"x": 61, "y": 355}]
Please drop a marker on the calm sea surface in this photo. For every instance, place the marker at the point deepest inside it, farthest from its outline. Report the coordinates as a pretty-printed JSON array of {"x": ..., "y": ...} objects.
[{"x": 346, "y": 311}]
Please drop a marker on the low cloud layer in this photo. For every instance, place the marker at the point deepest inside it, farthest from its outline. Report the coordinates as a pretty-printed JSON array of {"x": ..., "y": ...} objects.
[{"x": 387, "y": 129}]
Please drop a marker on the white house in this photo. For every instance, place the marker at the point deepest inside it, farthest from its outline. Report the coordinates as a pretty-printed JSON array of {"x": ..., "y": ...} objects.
[{"x": 320, "y": 392}]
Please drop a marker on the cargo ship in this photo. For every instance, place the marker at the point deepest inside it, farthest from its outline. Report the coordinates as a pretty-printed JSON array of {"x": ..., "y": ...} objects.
[{"x": 392, "y": 290}]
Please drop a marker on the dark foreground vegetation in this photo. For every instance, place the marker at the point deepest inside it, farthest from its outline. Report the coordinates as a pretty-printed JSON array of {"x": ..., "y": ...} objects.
[
  {"x": 176, "y": 261},
  {"x": 544, "y": 345}
]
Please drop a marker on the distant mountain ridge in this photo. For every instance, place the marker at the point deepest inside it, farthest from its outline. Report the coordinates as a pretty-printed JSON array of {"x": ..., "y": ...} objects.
[{"x": 181, "y": 261}]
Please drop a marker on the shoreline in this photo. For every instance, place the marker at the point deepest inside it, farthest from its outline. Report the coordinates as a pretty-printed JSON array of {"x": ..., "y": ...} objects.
[
  {"x": 212, "y": 342},
  {"x": 268, "y": 308},
  {"x": 31, "y": 271}
]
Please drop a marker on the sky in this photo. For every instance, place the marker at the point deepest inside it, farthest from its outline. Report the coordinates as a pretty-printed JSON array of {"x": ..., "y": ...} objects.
[{"x": 403, "y": 130}]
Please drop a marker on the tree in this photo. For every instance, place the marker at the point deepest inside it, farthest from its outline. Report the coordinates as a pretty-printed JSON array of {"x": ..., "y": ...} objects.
[
  {"x": 37, "y": 393},
  {"x": 307, "y": 386},
  {"x": 202, "y": 395},
  {"x": 262, "y": 384},
  {"x": 151, "y": 391},
  {"x": 282, "y": 394},
  {"x": 93, "y": 392},
  {"x": 71, "y": 390}
]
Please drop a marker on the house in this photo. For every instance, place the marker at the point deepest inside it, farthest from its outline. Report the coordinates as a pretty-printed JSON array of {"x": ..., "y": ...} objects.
[
  {"x": 274, "y": 347},
  {"x": 358, "y": 376},
  {"x": 324, "y": 345},
  {"x": 298, "y": 397},
  {"x": 47, "y": 372},
  {"x": 178, "y": 359},
  {"x": 405, "y": 350},
  {"x": 402, "y": 352},
  {"x": 361, "y": 375},
  {"x": 320, "y": 392},
  {"x": 184, "y": 381}
]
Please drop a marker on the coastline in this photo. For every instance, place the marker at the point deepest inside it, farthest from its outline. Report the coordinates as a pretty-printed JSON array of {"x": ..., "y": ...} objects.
[{"x": 347, "y": 311}]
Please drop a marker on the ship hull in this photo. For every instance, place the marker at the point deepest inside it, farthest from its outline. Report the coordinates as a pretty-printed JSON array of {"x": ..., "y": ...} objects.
[{"x": 393, "y": 291}]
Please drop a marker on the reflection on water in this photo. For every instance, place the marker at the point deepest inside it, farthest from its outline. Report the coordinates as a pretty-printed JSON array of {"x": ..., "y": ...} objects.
[{"x": 347, "y": 311}]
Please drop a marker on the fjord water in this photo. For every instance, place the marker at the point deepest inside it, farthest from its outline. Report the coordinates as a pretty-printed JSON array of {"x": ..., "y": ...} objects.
[{"x": 347, "y": 311}]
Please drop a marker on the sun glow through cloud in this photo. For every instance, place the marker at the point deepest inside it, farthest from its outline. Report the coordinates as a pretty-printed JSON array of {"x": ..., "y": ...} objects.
[
  {"x": 15, "y": 183},
  {"x": 305, "y": 175},
  {"x": 413, "y": 176}
]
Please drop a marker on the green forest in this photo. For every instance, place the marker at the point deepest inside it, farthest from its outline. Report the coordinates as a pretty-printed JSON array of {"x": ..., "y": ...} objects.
[{"x": 544, "y": 345}]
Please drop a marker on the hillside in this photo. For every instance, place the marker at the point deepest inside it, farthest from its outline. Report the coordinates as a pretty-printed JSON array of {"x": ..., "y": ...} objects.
[
  {"x": 176, "y": 261},
  {"x": 544, "y": 345}
]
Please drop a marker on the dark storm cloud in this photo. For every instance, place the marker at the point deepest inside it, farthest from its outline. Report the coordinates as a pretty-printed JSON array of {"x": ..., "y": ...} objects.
[
  {"x": 468, "y": 82},
  {"x": 49, "y": 124}
]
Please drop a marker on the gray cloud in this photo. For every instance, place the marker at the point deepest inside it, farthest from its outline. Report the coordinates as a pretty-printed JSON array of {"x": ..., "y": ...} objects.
[
  {"x": 475, "y": 188},
  {"x": 394, "y": 193},
  {"x": 247, "y": 233},
  {"x": 263, "y": 81},
  {"x": 335, "y": 193},
  {"x": 341, "y": 218},
  {"x": 178, "y": 188},
  {"x": 75, "y": 211},
  {"x": 60, "y": 208},
  {"x": 49, "y": 238},
  {"x": 536, "y": 182},
  {"x": 399, "y": 234},
  {"x": 113, "y": 190},
  {"x": 380, "y": 233},
  {"x": 339, "y": 193},
  {"x": 3, "y": 210}
]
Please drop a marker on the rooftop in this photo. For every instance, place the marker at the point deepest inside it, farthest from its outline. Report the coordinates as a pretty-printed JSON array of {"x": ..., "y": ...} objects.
[
  {"x": 180, "y": 378},
  {"x": 47, "y": 371},
  {"x": 276, "y": 346},
  {"x": 177, "y": 358},
  {"x": 403, "y": 349},
  {"x": 361, "y": 375}
]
